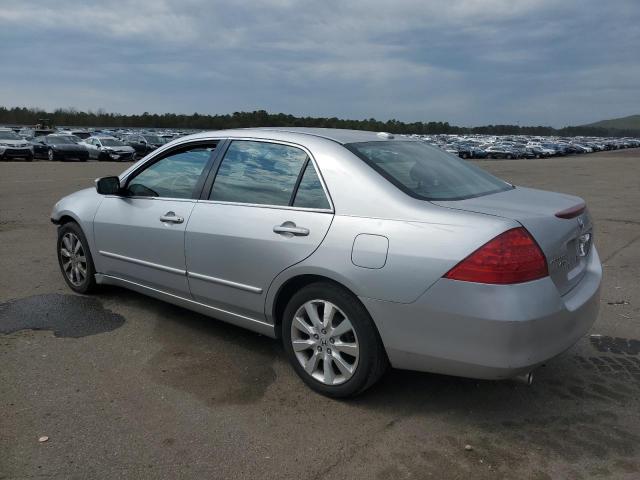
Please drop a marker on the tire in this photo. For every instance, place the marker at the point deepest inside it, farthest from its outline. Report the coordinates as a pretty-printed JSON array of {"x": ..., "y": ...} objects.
[
  {"x": 50, "y": 155},
  {"x": 509, "y": 157},
  {"x": 30, "y": 157},
  {"x": 134, "y": 157},
  {"x": 348, "y": 374},
  {"x": 79, "y": 283}
]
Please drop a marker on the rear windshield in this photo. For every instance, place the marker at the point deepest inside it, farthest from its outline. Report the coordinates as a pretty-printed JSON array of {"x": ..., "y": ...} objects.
[{"x": 427, "y": 172}]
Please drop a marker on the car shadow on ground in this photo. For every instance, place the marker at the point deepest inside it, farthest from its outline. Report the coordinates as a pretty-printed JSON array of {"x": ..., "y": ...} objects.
[{"x": 195, "y": 345}]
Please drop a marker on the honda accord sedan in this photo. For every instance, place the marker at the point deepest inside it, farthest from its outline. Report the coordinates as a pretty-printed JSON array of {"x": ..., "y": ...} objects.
[{"x": 358, "y": 250}]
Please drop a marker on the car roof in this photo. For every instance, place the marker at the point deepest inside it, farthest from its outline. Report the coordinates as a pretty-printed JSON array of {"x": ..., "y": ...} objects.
[{"x": 341, "y": 136}]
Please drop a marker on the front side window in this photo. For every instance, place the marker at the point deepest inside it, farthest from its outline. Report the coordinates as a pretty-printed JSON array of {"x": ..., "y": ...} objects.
[
  {"x": 111, "y": 142},
  {"x": 174, "y": 176},
  {"x": 258, "y": 173},
  {"x": 426, "y": 172}
]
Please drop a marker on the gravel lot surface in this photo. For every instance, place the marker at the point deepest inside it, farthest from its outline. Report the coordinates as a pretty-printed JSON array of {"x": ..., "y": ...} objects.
[{"x": 128, "y": 387}]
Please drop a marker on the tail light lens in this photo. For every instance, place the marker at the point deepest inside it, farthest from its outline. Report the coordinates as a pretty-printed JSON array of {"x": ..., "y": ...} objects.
[{"x": 511, "y": 257}]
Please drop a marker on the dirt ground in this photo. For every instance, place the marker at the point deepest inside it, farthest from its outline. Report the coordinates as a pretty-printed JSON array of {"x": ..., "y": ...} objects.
[{"x": 129, "y": 387}]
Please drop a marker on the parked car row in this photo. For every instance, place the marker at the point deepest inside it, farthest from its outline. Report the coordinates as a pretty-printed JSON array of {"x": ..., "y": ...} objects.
[
  {"x": 522, "y": 146},
  {"x": 130, "y": 145},
  {"x": 79, "y": 144}
]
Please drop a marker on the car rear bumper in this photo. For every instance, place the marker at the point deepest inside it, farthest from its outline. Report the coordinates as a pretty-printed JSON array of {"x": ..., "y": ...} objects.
[{"x": 487, "y": 331}]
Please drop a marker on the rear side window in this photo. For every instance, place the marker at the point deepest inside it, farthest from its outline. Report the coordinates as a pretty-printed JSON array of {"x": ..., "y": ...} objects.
[
  {"x": 310, "y": 193},
  {"x": 426, "y": 172},
  {"x": 258, "y": 172}
]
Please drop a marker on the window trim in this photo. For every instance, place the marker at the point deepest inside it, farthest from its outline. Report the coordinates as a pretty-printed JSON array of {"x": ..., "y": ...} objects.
[
  {"x": 195, "y": 194},
  {"x": 208, "y": 187}
]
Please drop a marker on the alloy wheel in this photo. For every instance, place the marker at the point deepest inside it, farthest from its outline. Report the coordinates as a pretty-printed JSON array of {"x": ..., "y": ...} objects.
[
  {"x": 325, "y": 342},
  {"x": 73, "y": 259}
]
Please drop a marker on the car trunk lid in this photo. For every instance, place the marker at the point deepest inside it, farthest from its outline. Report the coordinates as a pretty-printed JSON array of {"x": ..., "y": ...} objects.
[{"x": 565, "y": 238}]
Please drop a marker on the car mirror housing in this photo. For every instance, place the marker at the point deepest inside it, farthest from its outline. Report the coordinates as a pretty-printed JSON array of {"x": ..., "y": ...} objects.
[{"x": 108, "y": 186}]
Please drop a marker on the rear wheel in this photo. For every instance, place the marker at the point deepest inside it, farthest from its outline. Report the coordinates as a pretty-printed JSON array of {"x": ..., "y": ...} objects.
[
  {"x": 50, "y": 155},
  {"x": 331, "y": 341},
  {"x": 74, "y": 258}
]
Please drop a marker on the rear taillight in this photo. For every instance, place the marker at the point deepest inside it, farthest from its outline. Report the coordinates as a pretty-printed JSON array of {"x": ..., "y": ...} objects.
[{"x": 511, "y": 257}]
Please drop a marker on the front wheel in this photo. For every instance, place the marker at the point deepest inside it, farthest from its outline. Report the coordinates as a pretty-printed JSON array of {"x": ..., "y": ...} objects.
[
  {"x": 331, "y": 341},
  {"x": 50, "y": 155},
  {"x": 74, "y": 258}
]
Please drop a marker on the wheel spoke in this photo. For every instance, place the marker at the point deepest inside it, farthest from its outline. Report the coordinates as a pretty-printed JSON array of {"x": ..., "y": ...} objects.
[
  {"x": 302, "y": 345},
  {"x": 67, "y": 243},
  {"x": 327, "y": 315},
  {"x": 329, "y": 375},
  {"x": 78, "y": 244},
  {"x": 67, "y": 265},
  {"x": 312, "y": 362},
  {"x": 347, "y": 347},
  {"x": 344, "y": 327},
  {"x": 82, "y": 271},
  {"x": 82, "y": 259},
  {"x": 312, "y": 312},
  {"x": 344, "y": 367},
  {"x": 303, "y": 326},
  {"x": 65, "y": 253}
]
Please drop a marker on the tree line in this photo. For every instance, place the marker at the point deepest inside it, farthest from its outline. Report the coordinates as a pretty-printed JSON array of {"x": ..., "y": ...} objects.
[{"x": 261, "y": 118}]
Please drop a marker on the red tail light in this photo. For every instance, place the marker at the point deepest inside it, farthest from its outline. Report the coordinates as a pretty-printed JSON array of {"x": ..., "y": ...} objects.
[{"x": 511, "y": 257}]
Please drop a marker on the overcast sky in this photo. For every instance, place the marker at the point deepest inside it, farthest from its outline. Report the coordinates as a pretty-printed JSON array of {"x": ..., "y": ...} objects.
[{"x": 550, "y": 62}]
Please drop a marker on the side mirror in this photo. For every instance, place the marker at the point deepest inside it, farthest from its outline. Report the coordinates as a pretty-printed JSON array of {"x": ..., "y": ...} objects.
[{"x": 108, "y": 185}]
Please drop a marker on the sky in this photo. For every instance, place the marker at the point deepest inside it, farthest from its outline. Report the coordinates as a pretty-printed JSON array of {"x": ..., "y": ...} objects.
[{"x": 467, "y": 62}]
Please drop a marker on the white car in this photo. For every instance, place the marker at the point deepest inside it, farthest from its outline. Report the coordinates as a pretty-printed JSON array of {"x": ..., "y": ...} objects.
[
  {"x": 14, "y": 146},
  {"x": 109, "y": 149}
]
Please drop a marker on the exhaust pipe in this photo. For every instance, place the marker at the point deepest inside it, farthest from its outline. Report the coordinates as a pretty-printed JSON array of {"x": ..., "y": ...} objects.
[{"x": 526, "y": 378}]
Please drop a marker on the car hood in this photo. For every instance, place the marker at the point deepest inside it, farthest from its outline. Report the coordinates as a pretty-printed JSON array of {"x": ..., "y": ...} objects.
[
  {"x": 120, "y": 149},
  {"x": 69, "y": 147},
  {"x": 536, "y": 210},
  {"x": 15, "y": 143}
]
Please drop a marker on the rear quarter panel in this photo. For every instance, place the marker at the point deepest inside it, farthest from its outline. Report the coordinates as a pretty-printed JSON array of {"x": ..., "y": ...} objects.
[{"x": 419, "y": 253}]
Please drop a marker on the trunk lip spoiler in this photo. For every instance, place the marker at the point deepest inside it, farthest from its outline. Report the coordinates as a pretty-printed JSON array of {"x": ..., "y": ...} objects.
[{"x": 572, "y": 212}]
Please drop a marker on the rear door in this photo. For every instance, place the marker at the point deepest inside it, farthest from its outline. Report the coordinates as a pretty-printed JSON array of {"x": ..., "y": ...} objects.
[
  {"x": 140, "y": 234},
  {"x": 266, "y": 210}
]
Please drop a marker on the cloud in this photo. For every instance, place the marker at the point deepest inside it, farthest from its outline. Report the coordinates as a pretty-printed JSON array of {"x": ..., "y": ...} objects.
[{"x": 464, "y": 61}]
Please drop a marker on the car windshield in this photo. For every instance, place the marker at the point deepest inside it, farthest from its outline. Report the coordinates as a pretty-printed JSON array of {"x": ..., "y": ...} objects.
[
  {"x": 111, "y": 142},
  {"x": 60, "y": 140},
  {"x": 426, "y": 172},
  {"x": 8, "y": 135},
  {"x": 152, "y": 139}
]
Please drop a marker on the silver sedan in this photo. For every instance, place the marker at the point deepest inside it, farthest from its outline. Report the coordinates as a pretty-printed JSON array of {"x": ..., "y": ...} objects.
[{"x": 358, "y": 250}]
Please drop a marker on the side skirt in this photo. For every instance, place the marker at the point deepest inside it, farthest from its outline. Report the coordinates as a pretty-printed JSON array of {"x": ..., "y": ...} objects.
[{"x": 243, "y": 321}]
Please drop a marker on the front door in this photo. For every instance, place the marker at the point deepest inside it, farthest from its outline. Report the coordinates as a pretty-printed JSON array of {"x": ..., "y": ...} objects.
[
  {"x": 140, "y": 234},
  {"x": 266, "y": 211}
]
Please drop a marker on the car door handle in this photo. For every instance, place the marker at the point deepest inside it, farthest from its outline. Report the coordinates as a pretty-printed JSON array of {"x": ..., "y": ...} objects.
[
  {"x": 289, "y": 227},
  {"x": 171, "y": 217}
]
